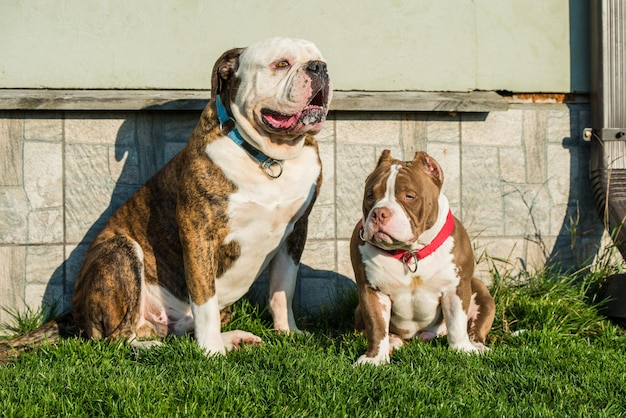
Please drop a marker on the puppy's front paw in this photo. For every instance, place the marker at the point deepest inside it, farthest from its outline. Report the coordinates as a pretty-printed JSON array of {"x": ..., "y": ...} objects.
[{"x": 376, "y": 360}]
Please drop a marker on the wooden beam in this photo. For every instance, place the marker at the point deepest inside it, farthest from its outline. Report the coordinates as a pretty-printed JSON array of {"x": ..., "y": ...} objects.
[{"x": 404, "y": 101}]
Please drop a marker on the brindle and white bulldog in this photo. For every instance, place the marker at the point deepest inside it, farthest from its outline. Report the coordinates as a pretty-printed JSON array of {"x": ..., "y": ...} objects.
[
  {"x": 192, "y": 240},
  {"x": 414, "y": 264}
]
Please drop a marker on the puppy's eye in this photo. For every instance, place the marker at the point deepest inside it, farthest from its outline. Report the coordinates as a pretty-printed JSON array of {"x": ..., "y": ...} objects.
[
  {"x": 409, "y": 197},
  {"x": 369, "y": 195},
  {"x": 282, "y": 64}
]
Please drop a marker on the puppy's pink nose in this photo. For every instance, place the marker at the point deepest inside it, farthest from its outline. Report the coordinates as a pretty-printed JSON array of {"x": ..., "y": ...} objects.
[{"x": 381, "y": 215}]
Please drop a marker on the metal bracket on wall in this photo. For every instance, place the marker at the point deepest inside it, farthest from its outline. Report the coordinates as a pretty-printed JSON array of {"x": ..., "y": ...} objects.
[{"x": 613, "y": 134}]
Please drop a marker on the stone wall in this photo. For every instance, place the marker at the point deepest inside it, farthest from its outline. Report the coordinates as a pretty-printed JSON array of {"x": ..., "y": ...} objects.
[{"x": 517, "y": 179}]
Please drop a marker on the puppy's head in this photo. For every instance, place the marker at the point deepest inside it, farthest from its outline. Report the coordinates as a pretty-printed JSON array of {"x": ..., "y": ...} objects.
[
  {"x": 277, "y": 91},
  {"x": 400, "y": 201}
]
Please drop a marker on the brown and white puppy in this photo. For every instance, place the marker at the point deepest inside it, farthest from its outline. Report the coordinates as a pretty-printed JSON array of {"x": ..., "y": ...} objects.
[
  {"x": 193, "y": 239},
  {"x": 414, "y": 264}
]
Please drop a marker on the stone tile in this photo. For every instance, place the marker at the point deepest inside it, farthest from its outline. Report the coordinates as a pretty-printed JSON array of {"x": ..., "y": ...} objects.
[
  {"x": 327, "y": 156},
  {"x": 14, "y": 210},
  {"x": 322, "y": 222},
  {"x": 11, "y": 280},
  {"x": 11, "y": 149},
  {"x": 498, "y": 128},
  {"x": 179, "y": 126},
  {"x": 124, "y": 165},
  {"x": 534, "y": 138},
  {"x": 43, "y": 174},
  {"x": 89, "y": 188},
  {"x": 354, "y": 163},
  {"x": 526, "y": 211},
  {"x": 559, "y": 124},
  {"x": 38, "y": 295},
  {"x": 413, "y": 134},
  {"x": 344, "y": 264},
  {"x": 43, "y": 126},
  {"x": 501, "y": 254},
  {"x": 327, "y": 134},
  {"x": 373, "y": 128},
  {"x": 86, "y": 212},
  {"x": 512, "y": 164},
  {"x": 44, "y": 263},
  {"x": 537, "y": 253},
  {"x": 150, "y": 144},
  {"x": 449, "y": 158},
  {"x": 45, "y": 226},
  {"x": 563, "y": 219},
  {"x": 111, "y": 128},
  {"x": 444, "y": 128},
  {"x": 319, "y": 254},
  {"x": 73, "y": 262},
  {"x": 482, "y": 209},
  {"x": 559, "y": 173}
]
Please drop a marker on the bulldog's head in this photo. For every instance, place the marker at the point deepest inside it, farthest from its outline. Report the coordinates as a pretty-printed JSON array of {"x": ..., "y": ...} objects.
[
  {"x": 401, "y": 200},
  {"x": 277, "y": 91}
]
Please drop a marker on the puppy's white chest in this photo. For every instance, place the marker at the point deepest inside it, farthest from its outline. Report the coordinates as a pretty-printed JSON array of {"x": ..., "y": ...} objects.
[{"x": 415, "y": 294}]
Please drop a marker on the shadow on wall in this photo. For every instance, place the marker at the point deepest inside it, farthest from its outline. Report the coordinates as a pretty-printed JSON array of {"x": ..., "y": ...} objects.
[
  {"x": 580, "y": 235},
  {"x": 145, "y": 142}
]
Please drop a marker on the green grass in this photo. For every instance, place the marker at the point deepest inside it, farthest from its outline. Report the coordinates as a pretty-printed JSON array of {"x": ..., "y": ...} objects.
[{"x": 552, "y": 354}]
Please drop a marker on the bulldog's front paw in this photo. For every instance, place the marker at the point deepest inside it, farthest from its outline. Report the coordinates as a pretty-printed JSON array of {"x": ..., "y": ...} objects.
[
  {"x": 471, "y": 347},
  {"x": 235, "y": 339},
  {"x": 376, "y": 360}
]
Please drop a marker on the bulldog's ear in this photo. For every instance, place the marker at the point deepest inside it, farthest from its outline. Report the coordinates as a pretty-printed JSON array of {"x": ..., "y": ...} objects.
[
  {"x": 428, "y": 164},
  {"x": 385, "y": 157},
  {"x": 224, "y": 69}
]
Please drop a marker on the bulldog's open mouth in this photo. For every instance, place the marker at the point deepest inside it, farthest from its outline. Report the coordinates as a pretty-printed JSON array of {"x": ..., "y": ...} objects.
[{"x": 312, "y": 114}]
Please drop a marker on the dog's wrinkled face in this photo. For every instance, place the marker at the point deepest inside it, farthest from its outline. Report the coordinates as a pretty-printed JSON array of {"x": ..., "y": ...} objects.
[
  {"x": 401, "y": 200},
  {"x": 280, "y": 92}
]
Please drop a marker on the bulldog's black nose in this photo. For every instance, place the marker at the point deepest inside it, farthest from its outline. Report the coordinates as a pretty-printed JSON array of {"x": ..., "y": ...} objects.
[{"x": 317, "y": 67}]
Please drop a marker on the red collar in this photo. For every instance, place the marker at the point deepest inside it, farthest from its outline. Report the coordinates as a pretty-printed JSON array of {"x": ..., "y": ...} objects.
[{"x": 407, "y": 255}]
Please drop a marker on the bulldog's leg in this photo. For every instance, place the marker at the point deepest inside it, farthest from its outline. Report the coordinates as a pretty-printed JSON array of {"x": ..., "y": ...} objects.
[
  {"x": 283, "y": 277},
  {"x": 456, "y": 322},
  {"x": 374, "y": 314},
  {"x": 107, "y": 296},
  {"x": 208, "y": 330},
  {"x": 200, "y": 274},
  {"x": 481, "y": 312},
  {"x": 282, "y": 281}
]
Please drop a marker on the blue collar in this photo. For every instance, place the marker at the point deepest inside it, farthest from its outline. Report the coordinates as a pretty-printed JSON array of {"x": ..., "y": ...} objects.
[{"x": 272, "y": 168}]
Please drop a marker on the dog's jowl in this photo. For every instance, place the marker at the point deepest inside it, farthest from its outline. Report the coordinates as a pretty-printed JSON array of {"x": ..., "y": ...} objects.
[
  {"x": 235, "y": 200},
  {"x": 414, "y": 264}
]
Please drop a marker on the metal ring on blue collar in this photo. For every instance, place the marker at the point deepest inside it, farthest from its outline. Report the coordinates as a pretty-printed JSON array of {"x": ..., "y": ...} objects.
[
  {"x": 270, "y": 165},
  {"x": 222, "y": 126}
]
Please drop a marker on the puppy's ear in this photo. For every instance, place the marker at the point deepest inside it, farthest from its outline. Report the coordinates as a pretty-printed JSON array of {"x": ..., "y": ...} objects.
[
  {"x": 385, "y": 157},
  {"x": 428, "y": 164},
  {"x": 224, "y": 69}
]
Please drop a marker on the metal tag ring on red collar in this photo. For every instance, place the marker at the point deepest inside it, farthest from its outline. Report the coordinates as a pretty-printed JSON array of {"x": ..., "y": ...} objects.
[
  {"x": 270, "y": 165},
  {"x": 407, "y": 258}
]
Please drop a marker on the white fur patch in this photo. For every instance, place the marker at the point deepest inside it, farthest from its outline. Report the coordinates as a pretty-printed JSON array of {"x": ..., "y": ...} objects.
[
  {"x": 262, "y": 212},
  {"x": 384, "y": 345},
  {"x": 208, "y": 326}
]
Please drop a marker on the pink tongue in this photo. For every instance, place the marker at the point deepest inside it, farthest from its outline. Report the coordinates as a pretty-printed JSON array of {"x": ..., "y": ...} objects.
[{"x": 280, "y": 121}]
